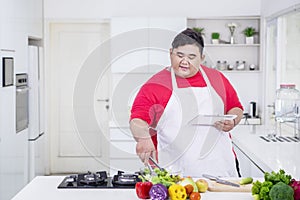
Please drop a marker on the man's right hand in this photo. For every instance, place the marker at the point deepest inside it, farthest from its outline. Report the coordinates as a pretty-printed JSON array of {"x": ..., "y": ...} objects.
[{"x": 144, "y": 149}]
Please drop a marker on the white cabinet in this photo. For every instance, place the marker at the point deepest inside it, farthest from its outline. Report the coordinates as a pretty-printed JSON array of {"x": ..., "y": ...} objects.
[
  {"x": 35, "y": 18},
  {"x": 122, "y": 151},
  {"x": 7, "y": 24},
  {"x": 13, "y": 147},
  {"x": 139, "y": 48},
  {"x": 20, "y": 20},
  {"x": 247, "y": 167},
  {"x": 138, "y": 43},
  {"x": 248, "y": 83}
]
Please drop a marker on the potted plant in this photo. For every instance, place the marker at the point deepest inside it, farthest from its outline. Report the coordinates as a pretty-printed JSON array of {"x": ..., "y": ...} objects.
[
  {"x": 200, "y": 31},
  {"x": 215, "y": 37},
  {"x": 249, "y": 32}
]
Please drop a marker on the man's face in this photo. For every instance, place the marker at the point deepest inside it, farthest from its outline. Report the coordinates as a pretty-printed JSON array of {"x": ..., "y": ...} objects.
[{"x": 185, "y": 60}]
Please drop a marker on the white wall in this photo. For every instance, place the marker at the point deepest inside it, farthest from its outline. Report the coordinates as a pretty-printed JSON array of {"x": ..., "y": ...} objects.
[
  {"x": 270, "y": 7},
  {"x": 95, "y": 9}
]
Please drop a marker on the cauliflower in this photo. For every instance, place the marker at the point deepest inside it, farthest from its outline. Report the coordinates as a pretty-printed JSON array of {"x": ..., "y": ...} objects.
[{"x": 281, "y": 191}]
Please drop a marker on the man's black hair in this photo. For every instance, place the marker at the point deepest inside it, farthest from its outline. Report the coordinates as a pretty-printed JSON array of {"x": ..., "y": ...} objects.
[{"x": 188, "y": 36}]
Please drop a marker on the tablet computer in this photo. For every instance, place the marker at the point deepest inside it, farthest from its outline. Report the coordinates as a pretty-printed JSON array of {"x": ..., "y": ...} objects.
[{"x": 209, "y": 120}]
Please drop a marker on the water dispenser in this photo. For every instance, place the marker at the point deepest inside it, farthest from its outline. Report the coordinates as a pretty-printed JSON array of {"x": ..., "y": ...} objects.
[{"x": 287, "y": 105}]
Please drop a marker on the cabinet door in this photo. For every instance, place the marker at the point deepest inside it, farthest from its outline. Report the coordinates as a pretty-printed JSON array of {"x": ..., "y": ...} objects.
[
  {"x": 138, "y": 43},
  {"x": 122, "y": 151},
  {"x": 129, "y": 44},
  {"x": 246, "y": 166},
  {"x": 35, "y": 18},
  {"x": 13, "y": 147},
  {"x": 163, "y": 32},
  {"x": 7, "y": 22}
]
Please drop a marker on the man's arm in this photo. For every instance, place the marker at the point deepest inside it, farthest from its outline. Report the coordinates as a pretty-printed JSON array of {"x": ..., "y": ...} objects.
[{"x": 144, "y": 147}]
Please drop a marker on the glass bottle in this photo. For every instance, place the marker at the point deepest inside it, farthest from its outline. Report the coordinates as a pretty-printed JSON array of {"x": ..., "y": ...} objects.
[{"x": 287, "y": 103}]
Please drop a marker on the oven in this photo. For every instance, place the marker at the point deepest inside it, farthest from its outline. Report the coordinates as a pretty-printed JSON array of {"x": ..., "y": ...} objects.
[{"x": 22, "y": 91}]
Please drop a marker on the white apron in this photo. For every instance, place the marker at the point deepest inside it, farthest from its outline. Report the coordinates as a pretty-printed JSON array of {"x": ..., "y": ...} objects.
[{"x": 194, "y": 150}]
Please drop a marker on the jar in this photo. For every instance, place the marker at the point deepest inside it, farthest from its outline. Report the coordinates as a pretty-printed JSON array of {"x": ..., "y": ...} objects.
[
  {"x": 287, "y": 103},
  {"x": 222, "y": 65},
  {"x": 240, "y": 65}
]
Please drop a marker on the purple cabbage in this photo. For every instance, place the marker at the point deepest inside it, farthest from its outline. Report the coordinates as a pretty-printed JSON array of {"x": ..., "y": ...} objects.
[
  {"x": 296, "y": 186},
  {"x": 158, "y": 192}
]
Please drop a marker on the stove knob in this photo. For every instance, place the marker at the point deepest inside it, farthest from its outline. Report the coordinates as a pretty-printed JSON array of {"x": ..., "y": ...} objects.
[{"x": 70, "y": 184}]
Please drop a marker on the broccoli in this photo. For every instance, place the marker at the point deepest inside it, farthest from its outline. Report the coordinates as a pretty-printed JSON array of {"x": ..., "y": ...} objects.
[
  {"x": 281, "y": 191},
  {"x": 256, "y": 187}
]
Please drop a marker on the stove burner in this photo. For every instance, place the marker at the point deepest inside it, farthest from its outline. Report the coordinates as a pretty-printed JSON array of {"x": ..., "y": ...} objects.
[
  {"x": 91, "y": 178},
  {"x": 125, "y": 179}
]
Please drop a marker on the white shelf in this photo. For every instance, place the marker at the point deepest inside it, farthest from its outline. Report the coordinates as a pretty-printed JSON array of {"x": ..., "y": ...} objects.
[
  {"x": 250, "y": 121},
  {"x": 231, "y": 45},
  {"x": 241, "y": 71},
  {"x": 247, "y": 83}
]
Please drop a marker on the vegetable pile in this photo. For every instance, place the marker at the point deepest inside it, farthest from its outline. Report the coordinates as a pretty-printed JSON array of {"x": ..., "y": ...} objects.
[
  {"x": 163, "y": 185},
  {"x": 276, "y": 186},
  {"x": 163, "y": 177}
]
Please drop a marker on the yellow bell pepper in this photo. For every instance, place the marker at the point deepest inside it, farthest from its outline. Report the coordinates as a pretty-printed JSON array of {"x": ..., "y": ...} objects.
[{"x": 177, "y": 192}]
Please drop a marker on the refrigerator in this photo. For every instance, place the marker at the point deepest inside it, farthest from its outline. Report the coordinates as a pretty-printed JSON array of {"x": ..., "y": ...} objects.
[{"x": 36, "y": 126}]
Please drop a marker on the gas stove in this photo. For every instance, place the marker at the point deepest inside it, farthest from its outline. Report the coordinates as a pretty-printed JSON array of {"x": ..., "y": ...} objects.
[{"x": 99, "y": 180}]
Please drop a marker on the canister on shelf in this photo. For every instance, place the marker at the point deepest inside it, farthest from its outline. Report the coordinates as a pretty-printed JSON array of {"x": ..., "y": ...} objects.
[
  {"x": 230, "y": 67},
  {"x": 253, "y": 109},
  {"x": 222, "y": 65},
  {"x": 252, "y": 67},
  {"x": 240, "y": 65}
]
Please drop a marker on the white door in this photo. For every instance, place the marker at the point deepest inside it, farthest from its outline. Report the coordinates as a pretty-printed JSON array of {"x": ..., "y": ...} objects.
[{"x": 76, "y": 77}]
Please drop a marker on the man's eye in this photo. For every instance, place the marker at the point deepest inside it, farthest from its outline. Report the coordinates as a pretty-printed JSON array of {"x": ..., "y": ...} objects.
[
  {"x": 191, "y": 57},
  {"x": 180, "y": 55}
]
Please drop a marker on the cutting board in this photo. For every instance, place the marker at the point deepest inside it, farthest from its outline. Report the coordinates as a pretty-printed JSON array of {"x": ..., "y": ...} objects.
[{"x": 213, "y": 186}]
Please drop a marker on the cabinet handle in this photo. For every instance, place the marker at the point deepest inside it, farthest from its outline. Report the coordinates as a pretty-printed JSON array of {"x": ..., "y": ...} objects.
[
  {"x": 103, "y": 100},
  {"x": 7, "y": 50}
]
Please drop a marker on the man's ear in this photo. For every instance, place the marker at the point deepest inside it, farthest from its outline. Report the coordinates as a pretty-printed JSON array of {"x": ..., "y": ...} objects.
[
  {"x": 202, "y": 57},
  {"x": 170, "y": 51}
]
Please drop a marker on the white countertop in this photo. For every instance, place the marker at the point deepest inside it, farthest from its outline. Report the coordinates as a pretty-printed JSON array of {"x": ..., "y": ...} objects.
[
  {"x": 269, "y": 156},
  {"x": 45, "y": 187}
]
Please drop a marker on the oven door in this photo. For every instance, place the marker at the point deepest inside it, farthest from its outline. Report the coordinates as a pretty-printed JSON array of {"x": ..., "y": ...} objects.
[{"x": 21, "y": 108}]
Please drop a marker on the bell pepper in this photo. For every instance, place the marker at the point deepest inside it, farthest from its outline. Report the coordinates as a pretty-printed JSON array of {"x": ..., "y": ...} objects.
[
  {"x": 177, "y": 192},
  {"x": 158, "y": 192},
  {"x": 142, "y": 189}
]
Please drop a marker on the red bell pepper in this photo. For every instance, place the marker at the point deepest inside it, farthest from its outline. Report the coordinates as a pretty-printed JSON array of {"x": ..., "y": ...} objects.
[{"x": 142, "y": 189}]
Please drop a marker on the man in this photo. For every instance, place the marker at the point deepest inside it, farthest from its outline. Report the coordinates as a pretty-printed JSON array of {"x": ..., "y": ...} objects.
[{"x": 165, "y": 105}]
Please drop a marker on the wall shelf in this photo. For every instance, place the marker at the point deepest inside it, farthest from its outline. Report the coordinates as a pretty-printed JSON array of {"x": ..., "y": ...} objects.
[
  {"x": 231, "y": 45},
  {"x": 247, "y": 83}
]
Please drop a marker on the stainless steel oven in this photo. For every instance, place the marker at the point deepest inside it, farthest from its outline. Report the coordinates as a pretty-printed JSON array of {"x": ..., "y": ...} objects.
[{"x": 22, "y": 91}]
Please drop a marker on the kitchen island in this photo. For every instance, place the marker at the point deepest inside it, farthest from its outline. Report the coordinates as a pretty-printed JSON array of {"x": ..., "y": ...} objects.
[
  {"x": 267, "y": 156},
  {"x": 45, "y": 187}
]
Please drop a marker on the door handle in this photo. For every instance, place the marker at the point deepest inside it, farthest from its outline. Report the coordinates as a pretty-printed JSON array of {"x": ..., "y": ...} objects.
[{"x": 103, "y": 100}]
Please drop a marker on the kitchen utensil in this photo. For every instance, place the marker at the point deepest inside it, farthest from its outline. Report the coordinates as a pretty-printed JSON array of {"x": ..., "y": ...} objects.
[
  {"x": 209, "y": 120},
  {"x": 156, "y": 164},
  {"x": 213, "y": 186},
  {"x": 152, "y": 173},
  {"x": 218, "y": 180}
]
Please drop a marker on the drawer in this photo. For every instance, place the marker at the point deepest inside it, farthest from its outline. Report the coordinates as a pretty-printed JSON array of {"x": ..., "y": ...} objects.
[
  {"x": 126, "y": 165},
  {"x": 121, "y": 134},
  {"x": 122, "y": 149}
]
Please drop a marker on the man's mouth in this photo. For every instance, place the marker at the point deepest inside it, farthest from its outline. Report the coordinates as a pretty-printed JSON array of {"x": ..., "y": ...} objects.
[{"x": 183, "y": 68}]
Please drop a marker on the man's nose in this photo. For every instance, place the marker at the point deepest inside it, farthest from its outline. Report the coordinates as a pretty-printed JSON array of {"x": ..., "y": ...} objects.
[{"x": 185, "y": 59}]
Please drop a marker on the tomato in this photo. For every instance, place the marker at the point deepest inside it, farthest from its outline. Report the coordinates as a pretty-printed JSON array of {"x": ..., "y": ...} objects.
[
  {"x": 189, "y": 189},
  {"x": 195, "y": 196}
]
